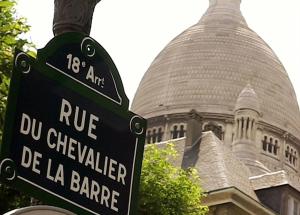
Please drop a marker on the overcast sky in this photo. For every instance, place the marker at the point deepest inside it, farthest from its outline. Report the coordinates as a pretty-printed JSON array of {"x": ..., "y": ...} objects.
[{"x": 133, "y": 32}]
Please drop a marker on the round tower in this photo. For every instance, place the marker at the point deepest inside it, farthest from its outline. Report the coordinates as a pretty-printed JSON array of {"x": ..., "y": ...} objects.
[{"x": 246, "y": 116}]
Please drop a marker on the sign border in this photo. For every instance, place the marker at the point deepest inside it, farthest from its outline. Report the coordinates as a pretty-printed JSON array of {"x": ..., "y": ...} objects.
[{"x": 23, "y": 64}]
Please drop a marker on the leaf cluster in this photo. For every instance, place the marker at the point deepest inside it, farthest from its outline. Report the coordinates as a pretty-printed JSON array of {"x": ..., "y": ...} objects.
[
  {"x": 11, "y": 31},
  {"x": 11, "y": 199},
  {"x": 12, "y": 28},
  {"x": 166, "y": 189}
]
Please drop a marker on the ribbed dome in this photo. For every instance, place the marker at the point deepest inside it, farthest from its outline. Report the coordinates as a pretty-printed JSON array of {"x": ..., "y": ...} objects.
[
  {"x": 247, "y": 100},
  {"x": 207, "y": 66}
]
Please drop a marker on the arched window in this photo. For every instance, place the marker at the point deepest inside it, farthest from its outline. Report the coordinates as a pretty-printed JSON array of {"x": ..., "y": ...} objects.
[
  {"x": 181, "y": 131},
  {"x": 178, "y": 131},
  {"x": 294, "y": 158},
  {"x": 291, "y": 155},
  {"x": 154, "y": 136},
  {"x": 212, "y": 126},
  {"x": 270, "y": 145},
  {"x": 264, "y": 143},
  {"x": 287, "y": 151},
  {"x": 159, "y": 135},
  {"x": 148, "y": 137},
  {"x": 275, "y": 147},
  {"x": 174, "y": 132}
]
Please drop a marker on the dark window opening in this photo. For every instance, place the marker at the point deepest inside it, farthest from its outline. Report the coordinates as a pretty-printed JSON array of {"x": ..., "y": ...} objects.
[
  {"x": 291, "y": 156},
  {"x": 248, "y": 121},
  {"x": 154, "y": 136},
  {"x": 148, "y": 137},
  {"x": 275, "y": 147},
  {"x": 265, "y": 143},
  {"x": 159, "y": 135},
  {"x": 270, "y": 145},
  {"x": 217, "y": 130},
  {"x": 174, "y": 132},
  {"x": 182, "y": 131},
  {"x": 287, "y": 151}
]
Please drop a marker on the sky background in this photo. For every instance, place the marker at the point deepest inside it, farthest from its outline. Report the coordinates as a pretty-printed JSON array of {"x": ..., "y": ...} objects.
[{"x": 133, "y": 32}]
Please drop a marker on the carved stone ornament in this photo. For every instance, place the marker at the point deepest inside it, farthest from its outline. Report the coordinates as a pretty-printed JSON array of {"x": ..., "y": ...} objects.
[{"x": 73, "y": 15}]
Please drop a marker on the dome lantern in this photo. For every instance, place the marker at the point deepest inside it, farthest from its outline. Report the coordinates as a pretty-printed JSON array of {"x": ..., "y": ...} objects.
[
  {"x": 232, "y": 3},
  {"x": 227, "y": 11}
]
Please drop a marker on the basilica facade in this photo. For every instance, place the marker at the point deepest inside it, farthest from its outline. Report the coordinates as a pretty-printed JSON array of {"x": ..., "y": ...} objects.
[{"x": 221, "y": 94}]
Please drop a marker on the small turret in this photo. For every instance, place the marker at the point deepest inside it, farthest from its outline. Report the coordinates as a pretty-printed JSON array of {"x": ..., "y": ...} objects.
[{"x": 247, "y": 113}]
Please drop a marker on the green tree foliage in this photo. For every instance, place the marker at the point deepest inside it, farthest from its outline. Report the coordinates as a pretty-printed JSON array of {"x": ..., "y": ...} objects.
[
  {"x": 11, "y": 199},
  {"x": 11, "y": 30},
  {"x": 12, "y": 27},
  {"x": 166, "y": 189}
]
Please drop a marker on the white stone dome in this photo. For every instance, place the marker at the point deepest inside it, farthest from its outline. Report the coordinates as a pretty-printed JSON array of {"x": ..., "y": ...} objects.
[{"x": 208, "y": 65}]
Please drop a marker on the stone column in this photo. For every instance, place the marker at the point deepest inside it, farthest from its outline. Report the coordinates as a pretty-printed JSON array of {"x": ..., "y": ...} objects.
[
  {"x": 194, "y": 127},
  {"x": 229, "y": 130},
  {"x": 240, "y": 133},
  {"x": 167, "y": 132},
  {"x": 290, "y": 208},
  {"x": 73, "y": 16}
]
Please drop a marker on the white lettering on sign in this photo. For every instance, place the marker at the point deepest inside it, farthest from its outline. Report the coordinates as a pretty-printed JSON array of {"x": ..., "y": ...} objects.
[
  {"x": 79, "y": 118},
  {"x": 31, "y": 160},
  {"x": 85, "y": 155},
  {"x": 92, "y": 126},
  {"x": 90, "y": 76},
  {"x": 59, "y": 145},
  {"x": 59, "y": 173},
  {"x": 28, "y": 125},
  {"x": 92, "y": 190},
  {"x": 75, "y": 64}
]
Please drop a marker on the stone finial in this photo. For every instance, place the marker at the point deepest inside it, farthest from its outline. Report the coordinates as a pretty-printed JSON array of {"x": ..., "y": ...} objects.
[
  {"x": 226, "y": 11},
  {"x": 248, "y": 100},
  {"x": 73, "y": 15},
  {"x": 235, "y": 3}
]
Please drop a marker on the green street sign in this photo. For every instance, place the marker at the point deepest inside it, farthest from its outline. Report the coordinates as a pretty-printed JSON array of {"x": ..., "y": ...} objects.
[{"x": 69, "y": 139}]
